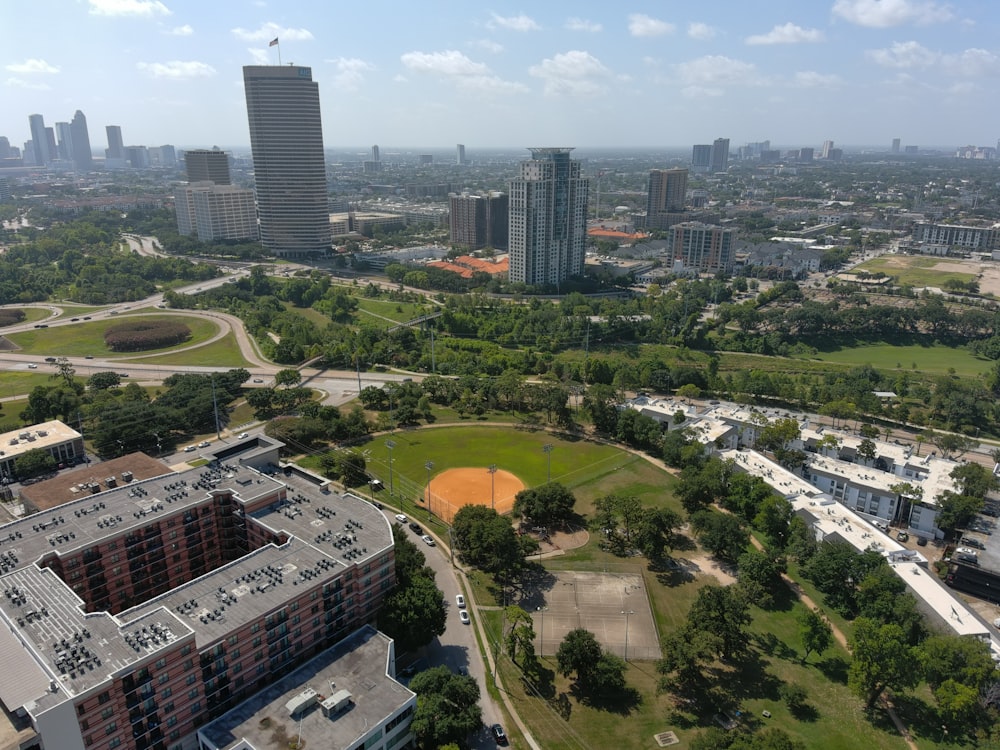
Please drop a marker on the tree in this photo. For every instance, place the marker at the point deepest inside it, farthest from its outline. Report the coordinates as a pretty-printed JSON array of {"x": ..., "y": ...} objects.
[
  {"x": 974, "y": 480},
  {"x": 882, "y": 659},
  {"x": 722, "y": 534},
  {"x": 725, "y": 612},
  {"x": 520, "y": 637},
  {"x": 686, "y": 653},
  {"x": 66, "y": 371},
  {"x": 867, "y": 451},
  {"x": 759, "y": 572},
  {"x": 958, "y": 704},
  {"x": 794, "y": 696},
  {"x": 657, "y": 531},
  {"x": 546, "y": 504},
  {"x": 774, "y": 519},
  {"x": 101, "y": 381},
  {"x": 488, "y": 541},
  {"x": 945, "y": 657},
  {"x": 578, "y": 653},
  {"x": 415, "y": 614},
  {"x": 34, "y": 463},
  {"x": 447, "y": 707},
  {"x": 815, "y": 632},
  {"x": 955, "y": 511}
]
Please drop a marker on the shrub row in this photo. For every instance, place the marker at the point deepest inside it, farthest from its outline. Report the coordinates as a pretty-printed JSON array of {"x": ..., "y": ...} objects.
[{"x": 139, "y": 335}]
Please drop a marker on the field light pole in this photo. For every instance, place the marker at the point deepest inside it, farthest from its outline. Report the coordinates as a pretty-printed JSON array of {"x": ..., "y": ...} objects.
[
  {"x": 429, "y": 465},
  {"x": 389, "y": 444},
  {"x": 626, "y": 613},
  {"x": 541, "y": 630},
  {"x": 548, "y": 452},
  {"x": 493, "y": 493}
]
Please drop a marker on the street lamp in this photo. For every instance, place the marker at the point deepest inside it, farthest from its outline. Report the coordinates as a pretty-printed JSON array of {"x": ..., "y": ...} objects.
[
  {"x": 548, "y": 452},
  {"x": 429, "y": 465},
  {"x": 389, "y": 444},
  {"x": 493, "y": 495},
  {"x": 626, "y": 613},
  {"x": 541, "y": 629}
]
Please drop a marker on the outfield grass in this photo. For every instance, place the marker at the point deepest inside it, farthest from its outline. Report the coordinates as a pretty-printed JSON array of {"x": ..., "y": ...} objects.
[
  {"x": 222, "y": 353},
  {"x": 915, "y": 270},
  {"x": 934, "y": 359},
  {"x": 88, "y": 338}
]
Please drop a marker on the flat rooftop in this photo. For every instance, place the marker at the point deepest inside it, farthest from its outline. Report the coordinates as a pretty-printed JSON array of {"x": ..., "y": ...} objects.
[
  {"x": 43, "y": 435},
  {"x": 82, "y": 481},
  {"x": 360, "y": 664}
]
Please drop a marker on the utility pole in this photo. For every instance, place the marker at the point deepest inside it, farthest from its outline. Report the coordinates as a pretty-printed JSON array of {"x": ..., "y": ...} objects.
[
  {"x": 389, "y": 444},
  {"x": 493, "y": 493},
  {"x": 429, "y": 465},
  {"x": 548, "y": 452},
  {"x": 215, "y": 408}
]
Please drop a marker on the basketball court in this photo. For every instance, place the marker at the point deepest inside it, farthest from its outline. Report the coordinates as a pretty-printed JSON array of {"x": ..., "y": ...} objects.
[{"x": 597, "y": 602}]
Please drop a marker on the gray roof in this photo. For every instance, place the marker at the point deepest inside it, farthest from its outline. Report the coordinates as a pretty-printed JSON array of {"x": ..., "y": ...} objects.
[{"x": 359, "y": 665}]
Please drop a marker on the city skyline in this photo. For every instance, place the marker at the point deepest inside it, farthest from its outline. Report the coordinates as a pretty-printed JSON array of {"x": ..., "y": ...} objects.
[{"x": 589, "y": 75}]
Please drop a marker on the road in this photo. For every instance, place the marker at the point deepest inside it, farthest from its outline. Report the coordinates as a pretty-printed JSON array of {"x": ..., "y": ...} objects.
[{"x": 457, "y": 648}]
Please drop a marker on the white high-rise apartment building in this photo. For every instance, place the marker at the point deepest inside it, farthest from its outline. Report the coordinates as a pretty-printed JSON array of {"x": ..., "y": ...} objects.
[
  {"x": 548, "y": 218},
  {"x": 286, "y": 138}
]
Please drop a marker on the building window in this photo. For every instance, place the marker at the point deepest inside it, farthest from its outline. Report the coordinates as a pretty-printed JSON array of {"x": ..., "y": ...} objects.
[{"x": 110, "y": 728}]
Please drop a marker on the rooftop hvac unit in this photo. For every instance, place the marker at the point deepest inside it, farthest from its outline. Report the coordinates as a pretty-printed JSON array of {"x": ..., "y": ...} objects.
[{"x": 336, "y": 703}]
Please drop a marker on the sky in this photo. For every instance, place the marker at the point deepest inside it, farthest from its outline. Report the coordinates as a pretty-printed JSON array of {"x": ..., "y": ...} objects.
[{"x": 433, "y": 73}]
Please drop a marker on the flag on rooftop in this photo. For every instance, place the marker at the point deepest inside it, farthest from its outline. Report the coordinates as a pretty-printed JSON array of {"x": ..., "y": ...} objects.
[{"x": 273, "y": 42}]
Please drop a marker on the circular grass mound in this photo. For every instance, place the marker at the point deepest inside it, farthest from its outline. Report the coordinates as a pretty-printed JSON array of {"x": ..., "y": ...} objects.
[{"x": 142, "y": 335}]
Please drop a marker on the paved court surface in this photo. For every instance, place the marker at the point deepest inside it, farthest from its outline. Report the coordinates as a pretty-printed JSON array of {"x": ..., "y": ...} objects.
[{"x": 596, "y": 602}]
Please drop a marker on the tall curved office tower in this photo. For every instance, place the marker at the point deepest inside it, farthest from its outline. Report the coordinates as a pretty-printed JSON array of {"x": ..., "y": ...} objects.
[{"x": 286, "y": 137}]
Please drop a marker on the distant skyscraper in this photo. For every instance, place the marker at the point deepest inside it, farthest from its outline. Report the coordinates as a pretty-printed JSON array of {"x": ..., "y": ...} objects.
[
  {"x": 895, "y": 145},
  {"x": 548, "y": 218},
  {"x": 137, "y": 157},
  {"x": 83, "y": 157},
  {"x": 39, "y": 141},
  {"x": 64, "y": 139},
  {"x": 720, "y": 155},
  {"x": 806, "y": 154},
  {"x": 426, "y": 158},
  {"x": 827, "y": 147},
  {"x": 701, "y": 157},
  {"x": 4, "y": 147},
  {"x": 207, "y": 165},
  {"x": 286, "y": 138},
  {"x": 667, "y": 190},
  {"x": 50, "y": 143},
  {"x": 375, "y": 154},
  {"x": 116, "y": 146},
  {"x": 460, "y": 153},
  {"x": 479, "y": 221}
]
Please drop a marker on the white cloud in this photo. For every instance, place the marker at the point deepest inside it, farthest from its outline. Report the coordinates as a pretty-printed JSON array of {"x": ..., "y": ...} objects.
[
  {"x": 465, "y": 72},
  {"x": 576, "y": 73},
  {"x": 270, "y": 30},
  {"x": 259, "y": 56},
  {"x": 881, "y": 14},
  {"x": 700, "y": 92},
  {"x": 582, "y": 24},
  {"x": 22, "y": 84},
  {"x": 489, "y": 45},
  {"x": 640, "y": 24},
  {"x": 184, "y": 30},
  {"x": 698, "y": 30},
  {"x": 712, "y": 72},
  {"x": 513, "y": 23},
  {"x": 970, "y": 63},
  {"x": 178, "y": 69},
  {"x": 788, "y": 33},
  {"x": 350, "y": 72},
  {"x": 146, "y": 8},
  {"x": 809, "y": 79},
  {"x": 32, "y": 65}
]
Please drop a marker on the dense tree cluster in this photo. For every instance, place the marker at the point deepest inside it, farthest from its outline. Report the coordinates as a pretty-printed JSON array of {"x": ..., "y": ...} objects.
[
  {"x": 414, "y": 613},
  {"x": 486, "y": 540},
  {"x": 140, "y": 335}
]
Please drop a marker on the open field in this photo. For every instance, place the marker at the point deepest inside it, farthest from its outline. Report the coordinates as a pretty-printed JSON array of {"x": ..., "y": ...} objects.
[
  {"x": 88, "y": 338},
  {"x": 384, "y": 308},
  {"x": 921, "y": 270},
  {"x": 222, "y": 353},
  {"x": 934, "y": 359}
]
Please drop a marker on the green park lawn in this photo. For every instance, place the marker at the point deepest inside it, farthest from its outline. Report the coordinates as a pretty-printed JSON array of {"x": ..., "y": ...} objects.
[
  {"x": 88, "y": 337},
  {"x": 917, "y": 271},
  {"x": 383, "y": 308},
  {"x": 934, "y": 359}
]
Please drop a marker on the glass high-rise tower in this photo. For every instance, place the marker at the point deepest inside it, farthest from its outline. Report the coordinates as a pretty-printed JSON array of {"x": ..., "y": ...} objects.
[{"x": 286, "y": 138}]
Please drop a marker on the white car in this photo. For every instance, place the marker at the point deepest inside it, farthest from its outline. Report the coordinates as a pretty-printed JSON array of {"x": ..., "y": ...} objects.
[
  {"x": 243, "y": 436},
  {"x": 460, "y": 601},
  {"x": 464, "y": 617},
  {"x": 203, "y": 444},
  {"x": 428, "y": 540},
  {"x": 32, "y": 366},
  {"x": 189, "y": 449},
  {"x": 401, "y": 518}
]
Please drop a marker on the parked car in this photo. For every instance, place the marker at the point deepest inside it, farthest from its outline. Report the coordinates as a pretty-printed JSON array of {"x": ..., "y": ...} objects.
[
  {"x": 463, "y": 616},
  {"x": 189, "y": 448},
  {"x": 415, "y": 528},
  {"x": 243, "y": 436},
  {"x": 968, "y": 541},
  {"x": 428, "y": 540},
  {"x": 460, "y": 601},
  {"x": 497, "y": 731},
  {"x": 401, "y": 518}
]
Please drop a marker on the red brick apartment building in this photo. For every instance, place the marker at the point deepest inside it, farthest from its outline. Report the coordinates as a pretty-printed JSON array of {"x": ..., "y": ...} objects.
[{"x": 131, "y": 617}]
